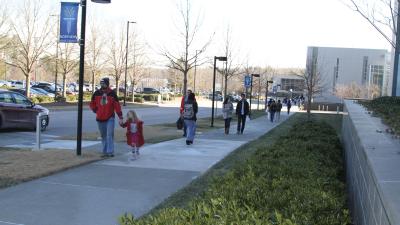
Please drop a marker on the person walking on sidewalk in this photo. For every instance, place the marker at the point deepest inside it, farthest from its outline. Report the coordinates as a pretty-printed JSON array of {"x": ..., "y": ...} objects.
[
  {"x": 183, "y": 100},
  {"x": 134, "y": 132},
  {"x": 288, "y": 105},
  {"x": 104, "y": 103},
  {"x": 227, "y": 111},
  {"x": 278, "y": 110},
  {"x": 190, "y": 110},
  {"x": 242, "y": 110},
  {"x": 272, "y": 110}
]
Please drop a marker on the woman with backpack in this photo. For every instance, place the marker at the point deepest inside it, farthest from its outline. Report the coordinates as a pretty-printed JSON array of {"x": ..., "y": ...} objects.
[{"x": 189, "y": 115}]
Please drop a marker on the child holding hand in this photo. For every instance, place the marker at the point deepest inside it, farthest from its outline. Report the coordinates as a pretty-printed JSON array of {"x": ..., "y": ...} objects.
[{"x": 134, "y": 132}]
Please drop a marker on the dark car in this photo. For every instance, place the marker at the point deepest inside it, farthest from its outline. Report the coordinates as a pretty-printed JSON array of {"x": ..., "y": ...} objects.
[
  {"x": 150, "y": 91},
  {"x": 17, "y": 111}
]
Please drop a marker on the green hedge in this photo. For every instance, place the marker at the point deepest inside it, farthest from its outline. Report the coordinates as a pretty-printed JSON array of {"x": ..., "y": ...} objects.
[
  {"x": 297, "y": 180},
  {"x": 388, "y": 108}
]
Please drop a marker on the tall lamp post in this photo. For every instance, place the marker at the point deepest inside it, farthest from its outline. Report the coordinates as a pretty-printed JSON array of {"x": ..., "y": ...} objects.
[
  {"x": 57, "y": 46},
  {"x": 266, "y": 93},
  {"x": 126, "y": 57},
  {"x": 251, "y": 87},
  {"x": 220, "y": 58},
  {"x": 81, "y": 72}
]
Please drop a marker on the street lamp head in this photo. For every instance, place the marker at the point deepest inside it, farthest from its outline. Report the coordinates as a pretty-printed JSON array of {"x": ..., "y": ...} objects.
[
  {"x": 255, "y": 75},
  {"x": 131, "y": 22},
  {"x": 270, "y": 81},
  {"x": 102, "y": 1},
  {"x": 221, "y": 58}
]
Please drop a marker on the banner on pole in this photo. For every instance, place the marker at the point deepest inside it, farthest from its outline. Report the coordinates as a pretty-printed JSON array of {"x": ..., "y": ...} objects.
[
  {"x": 247, "y": 81},
  {"x": 69, "y": 22}
]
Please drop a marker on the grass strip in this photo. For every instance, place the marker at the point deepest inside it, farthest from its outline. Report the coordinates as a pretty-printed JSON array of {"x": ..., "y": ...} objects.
[
  {"x": 292, "y": 175},
  {"x": 388, "y": 108}
]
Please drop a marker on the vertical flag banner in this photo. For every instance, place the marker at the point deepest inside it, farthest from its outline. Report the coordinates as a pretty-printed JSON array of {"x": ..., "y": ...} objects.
[{"x": 69, "y": 22}]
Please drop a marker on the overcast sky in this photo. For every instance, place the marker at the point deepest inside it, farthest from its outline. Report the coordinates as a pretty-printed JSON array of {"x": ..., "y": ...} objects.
[{"x": 266, "y": 32}]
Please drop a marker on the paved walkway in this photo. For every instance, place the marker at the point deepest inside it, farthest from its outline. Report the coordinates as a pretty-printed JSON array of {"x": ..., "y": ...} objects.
[{"x": 100, "y": 192}]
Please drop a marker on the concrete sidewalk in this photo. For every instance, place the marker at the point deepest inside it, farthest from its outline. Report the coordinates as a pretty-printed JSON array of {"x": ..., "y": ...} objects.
[{"x": 99, "y": 193}]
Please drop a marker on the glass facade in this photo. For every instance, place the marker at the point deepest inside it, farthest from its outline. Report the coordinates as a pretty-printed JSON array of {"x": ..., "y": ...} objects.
[
  {"x": 294, "y": 84},
  {"x": 377, "y": 72}
]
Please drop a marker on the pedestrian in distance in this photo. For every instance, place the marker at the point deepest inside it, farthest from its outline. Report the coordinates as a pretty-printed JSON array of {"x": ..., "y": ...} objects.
[
  {"x": 272, "y": 111},
  {"x": 242, "y": 110},
  {"x": 288, "y": 105},
  {"x": 134, "y": 133},
  {"x": 183, "y": 100},
  {"x": 105, "y": 104},
  {"x": 278, "y": 110},
  {"x": 189, "y": 115},
  {"x": 227, "y": 111}
]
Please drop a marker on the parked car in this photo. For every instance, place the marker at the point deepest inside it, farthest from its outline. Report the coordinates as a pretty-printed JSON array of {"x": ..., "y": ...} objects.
[
  {"x": 17, "y": 84},
  {"x": 17, "y": 111},
  {"x": 4, "y": 83},
  {"x": 150, "y": 91},
  {"x": 43, "y": 92}
]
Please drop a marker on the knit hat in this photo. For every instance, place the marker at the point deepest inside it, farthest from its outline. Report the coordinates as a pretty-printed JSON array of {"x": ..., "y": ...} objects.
[{"x": 105, "y": 81}]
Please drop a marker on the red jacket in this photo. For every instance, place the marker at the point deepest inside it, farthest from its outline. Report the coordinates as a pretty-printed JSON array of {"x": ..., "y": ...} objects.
[
  {"x": 104, "y": 103},
  {"x": 137, "y": 137}
]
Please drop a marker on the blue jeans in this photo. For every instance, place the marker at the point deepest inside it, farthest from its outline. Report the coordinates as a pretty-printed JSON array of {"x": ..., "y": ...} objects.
[
  {"x": 191, "y": 129},
  {"x": 272, "y": 116},
  {"x": 106, "y": 129}
]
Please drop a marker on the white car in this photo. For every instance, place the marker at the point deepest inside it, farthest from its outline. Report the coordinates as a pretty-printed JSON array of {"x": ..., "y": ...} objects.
[{"x": 4, "y": 83}]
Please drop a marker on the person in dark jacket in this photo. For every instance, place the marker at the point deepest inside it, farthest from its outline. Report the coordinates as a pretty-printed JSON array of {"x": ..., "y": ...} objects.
[
  {"x": 190, "y": 110},
  {"x": 105, "y": 103},
  {"x": 183, "y": 100},
  {"x": 242, "y": 110}
]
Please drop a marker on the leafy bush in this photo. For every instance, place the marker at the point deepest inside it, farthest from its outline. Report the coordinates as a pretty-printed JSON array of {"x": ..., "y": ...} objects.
[
  {"x": 42, "y": 99},
  {"x": 297, "y": 180},
  {"x": 388, "y": 108}
]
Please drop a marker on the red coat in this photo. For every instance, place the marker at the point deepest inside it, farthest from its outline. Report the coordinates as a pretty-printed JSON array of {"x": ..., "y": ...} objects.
[{"x": 137, "y": 137}]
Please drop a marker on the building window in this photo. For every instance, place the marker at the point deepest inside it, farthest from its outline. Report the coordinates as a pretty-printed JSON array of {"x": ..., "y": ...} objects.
[
  {"x": 364, "y": 70},
  {"x": 376, "y": 76}
]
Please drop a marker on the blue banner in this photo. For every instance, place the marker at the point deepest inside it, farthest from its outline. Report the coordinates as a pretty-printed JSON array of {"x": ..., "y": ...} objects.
[{"x": 68, "y": 22}]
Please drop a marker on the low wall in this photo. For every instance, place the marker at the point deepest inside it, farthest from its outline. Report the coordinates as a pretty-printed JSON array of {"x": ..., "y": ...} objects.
[{"x": 372, "y": 168}]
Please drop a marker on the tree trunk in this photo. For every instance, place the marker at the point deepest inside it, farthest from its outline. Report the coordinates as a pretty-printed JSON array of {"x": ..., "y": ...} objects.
[
  {"x": 27, "y": 85},
  {"x": 117, "y": 85},
  {"x": 64, "y": 85},
  {"x": 184, "y": 82},
  {"x": 93, "y": 89},
  {"x": 309, "y": 106},
  {"x": 133, "y": 91}
]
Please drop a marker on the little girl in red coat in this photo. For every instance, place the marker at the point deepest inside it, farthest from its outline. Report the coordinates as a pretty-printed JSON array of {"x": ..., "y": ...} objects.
[{"x": 134, "y": 132}]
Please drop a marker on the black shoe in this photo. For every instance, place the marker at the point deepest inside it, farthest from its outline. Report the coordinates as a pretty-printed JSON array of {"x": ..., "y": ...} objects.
[
  {"x": 111, "y": 155},
  {"x": 104, "y": 156},
  {"x": 188, "y": 142}
]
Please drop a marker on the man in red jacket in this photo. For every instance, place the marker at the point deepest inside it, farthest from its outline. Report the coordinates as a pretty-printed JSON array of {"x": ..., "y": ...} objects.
[{"x": 104, "y": 103}]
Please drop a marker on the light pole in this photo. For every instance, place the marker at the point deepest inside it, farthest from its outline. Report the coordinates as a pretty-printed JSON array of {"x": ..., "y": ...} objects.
[
  {"x": 81, "y": 73},
  {"x": 221, "y": 58},
  {"x": 126, "y": 58},
  {"x": 251, "y": 87},
  {"x": 58, "y": 42},
  {"x": 266, "y": 93},
  {"x": 194, "y": 77},
  {"x": 259, "y": 92}
]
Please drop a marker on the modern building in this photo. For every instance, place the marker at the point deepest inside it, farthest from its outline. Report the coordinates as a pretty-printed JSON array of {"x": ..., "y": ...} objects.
[
  {"x": 287, "y": 85},
  {"x": 346, "y": 66}
]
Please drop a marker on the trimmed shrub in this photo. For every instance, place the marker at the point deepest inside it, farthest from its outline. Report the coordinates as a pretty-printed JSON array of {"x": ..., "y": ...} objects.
[{"x": 297, "y": 180}]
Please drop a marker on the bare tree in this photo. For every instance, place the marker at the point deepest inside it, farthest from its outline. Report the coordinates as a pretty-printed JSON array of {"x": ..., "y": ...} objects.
[
  {"x": 4, "y": 28},
  {"x": 381, "y": 14},
  {"x": 186, "y": 58},
  {"x": 312, "y": 81},
  {"x": 94, "y": 52},
  {"x": 116, "y": 54},
  {"x": 30, "y": 38},
  {"x": 137, "y": 60},
  {"x": 232, "y": 68},
  {"x": 67, "y": 62}
]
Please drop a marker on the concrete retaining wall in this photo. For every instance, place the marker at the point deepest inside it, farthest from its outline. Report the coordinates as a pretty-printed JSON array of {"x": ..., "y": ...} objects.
[{"x": 373, "y": 168}]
